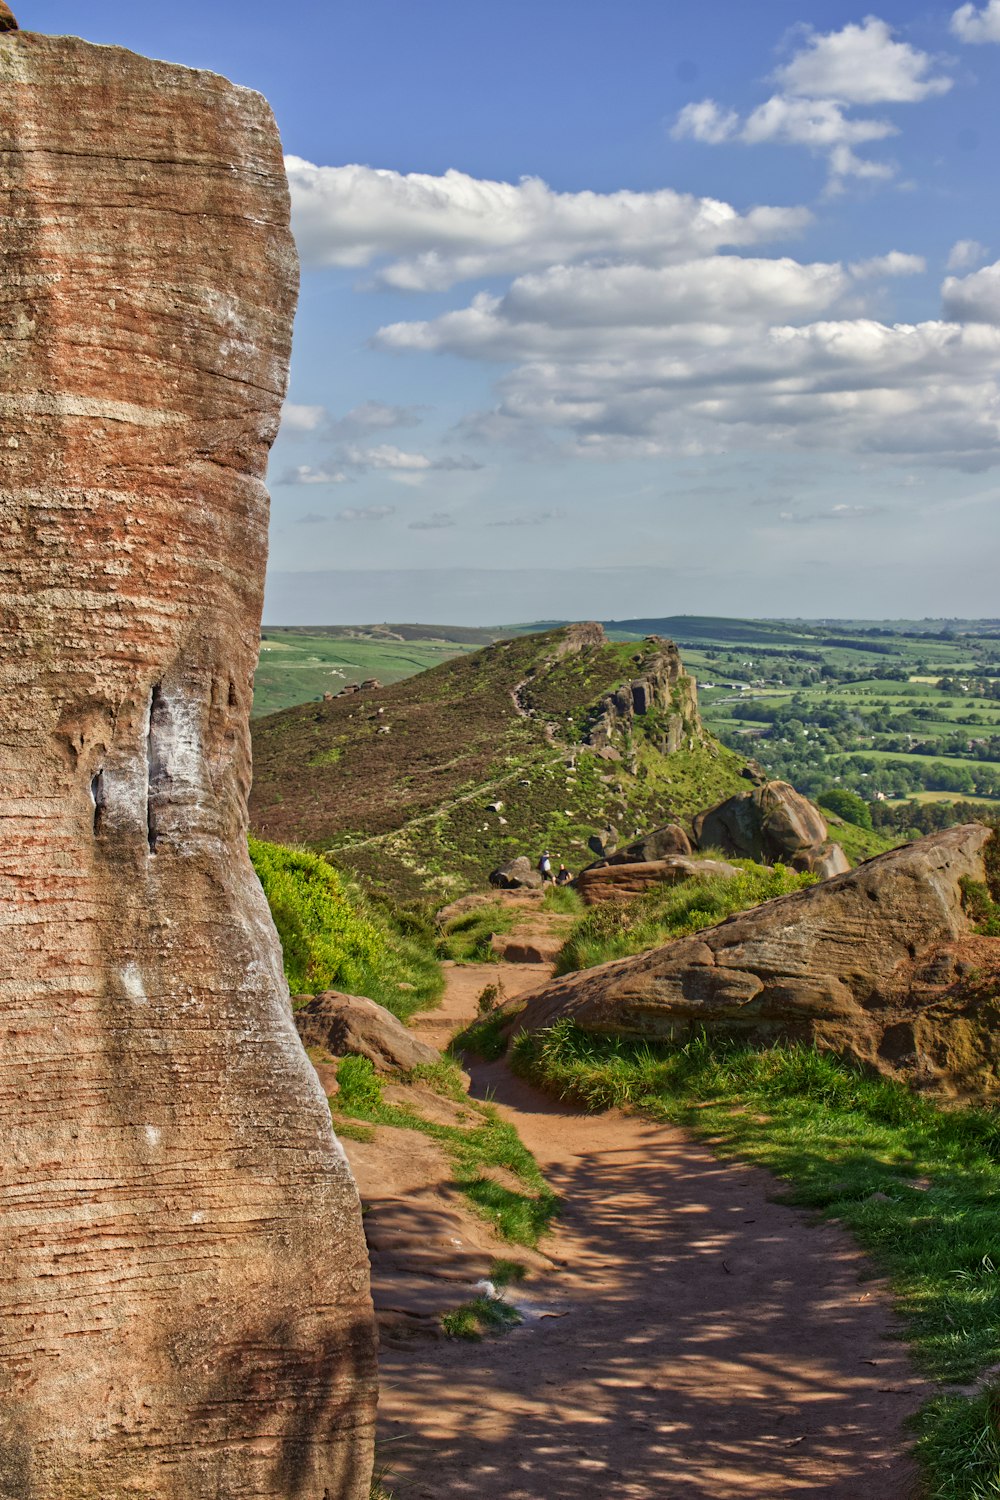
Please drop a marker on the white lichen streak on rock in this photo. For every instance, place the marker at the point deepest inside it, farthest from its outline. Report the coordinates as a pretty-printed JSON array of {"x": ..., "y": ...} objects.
[{"x": 184, "y": 1307}]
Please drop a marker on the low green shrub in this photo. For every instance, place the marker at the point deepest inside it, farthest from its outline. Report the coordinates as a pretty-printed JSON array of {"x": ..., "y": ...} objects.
[
  {"x": 563, "y": 899},
  {"x": 333, "y": 938},
  {"x": 482, "y": 1315},
  {"x": 617, "y": 929}
]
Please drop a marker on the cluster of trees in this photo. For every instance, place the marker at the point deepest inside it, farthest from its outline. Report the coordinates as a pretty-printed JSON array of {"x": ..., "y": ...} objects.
[{"x": 917, "y": 818}]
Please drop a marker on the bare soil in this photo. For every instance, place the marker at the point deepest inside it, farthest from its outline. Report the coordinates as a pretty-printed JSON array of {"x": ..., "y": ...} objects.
[{"x": 696, "y": 1341}]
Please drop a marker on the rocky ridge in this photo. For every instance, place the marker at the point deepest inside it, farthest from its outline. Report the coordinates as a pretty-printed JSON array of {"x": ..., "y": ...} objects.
[{"x": 184, "y": 1310}]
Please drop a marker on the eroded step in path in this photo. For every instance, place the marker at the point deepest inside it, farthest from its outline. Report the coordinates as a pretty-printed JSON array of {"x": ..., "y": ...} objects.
[{"x": 697, "y": 1341}]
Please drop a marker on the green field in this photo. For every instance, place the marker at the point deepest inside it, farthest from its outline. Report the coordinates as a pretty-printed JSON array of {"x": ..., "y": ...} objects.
[{"x": 296, "y": 666}]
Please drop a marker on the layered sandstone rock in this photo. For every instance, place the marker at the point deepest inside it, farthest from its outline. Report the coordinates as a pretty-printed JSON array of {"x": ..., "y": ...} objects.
[
  {"x": 184, "y": 1307},
  {"x": 873, "y": 964},
  {"x": 342, "y": 1023}
]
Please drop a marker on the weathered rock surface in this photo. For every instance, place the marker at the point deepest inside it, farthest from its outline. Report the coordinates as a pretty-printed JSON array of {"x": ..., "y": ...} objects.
[
  {"x": 184, "y": 1308},
  {"x": 660, "y": 686},
  {"x": 351, "y": 1023},
  {"x": 771, "y": 822},
  {"x": 660, "y": 843},
  {"x": 516, "y": 874},
  {"x": 869, "y": 964},
  {"x": 7, "y": 21},
  {"x": 613, "y": 882}
]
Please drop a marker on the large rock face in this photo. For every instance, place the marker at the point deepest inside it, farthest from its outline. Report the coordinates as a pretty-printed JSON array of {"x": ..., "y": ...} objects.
[
  {"x": 184, "y": 1307},
  {"x": 873, "y": 964}
]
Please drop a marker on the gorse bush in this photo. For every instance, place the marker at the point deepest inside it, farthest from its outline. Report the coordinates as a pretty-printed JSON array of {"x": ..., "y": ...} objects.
[
  {"x": 332, "y": 938},
  {"x": 617, "y": 929}
]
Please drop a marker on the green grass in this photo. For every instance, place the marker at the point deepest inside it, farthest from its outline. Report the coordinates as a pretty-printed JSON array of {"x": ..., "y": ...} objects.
[
  {"x": 840, "y": 1139},
  {"x": 519, "y": 1215},
  {"x": 296, "y": 666},
  {"x": 333, "y": 938},
  {"x": 487, "y": 1037},
  {"x": 563, "y": 900},
  {"x": 617, "y": 929},
  {"x": 480, "y": 1316},
  {"x": 467, "y": 939}
]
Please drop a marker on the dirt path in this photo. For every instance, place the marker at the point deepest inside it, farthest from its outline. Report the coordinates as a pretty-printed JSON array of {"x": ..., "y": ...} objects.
[{"x": 700, "y": 1341}]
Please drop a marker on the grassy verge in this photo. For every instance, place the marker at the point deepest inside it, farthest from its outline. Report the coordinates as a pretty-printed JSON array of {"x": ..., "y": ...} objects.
[
  {"x": 918, "y": 1186},
  {"x": 617, "y": 929},
  {"x": 480, "y": 1316},
  {"x": 519, "y": 1215},
  {"x": 564, "y": 900},
  {"x": 333, "y": 938}
]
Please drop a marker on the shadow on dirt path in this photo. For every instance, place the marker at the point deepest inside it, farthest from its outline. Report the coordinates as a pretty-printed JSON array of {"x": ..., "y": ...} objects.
[{"x": 699, "y": 1342}]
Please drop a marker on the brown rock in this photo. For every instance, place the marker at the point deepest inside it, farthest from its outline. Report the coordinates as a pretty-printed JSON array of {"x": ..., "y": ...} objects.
[
  {"x": 519, "y": 872},
  {"x": 614, "y": 882},
  {"x": 661, "y": 843},
  {"x": 7, "y": 21},
  {"x": 351, "y": 1023},
  {"x": 851, "y": 965},
  {"x": 184, "y": 1301},
  {"x": 771, "y": 822}
]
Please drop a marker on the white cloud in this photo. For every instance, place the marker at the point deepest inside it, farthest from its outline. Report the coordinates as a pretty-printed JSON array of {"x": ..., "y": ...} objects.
[
  {"x": 706, "y": 121},
  {"x": 965, "y": 254},
  {"x": 386, "y": 456},
  {"x": 306, "y": 474},
  {"x": 296, "y": 418},
  {"x": 862, "y": 65},
  {"x": 617, "y": 362},
  {"x": 858, "y": 65},
  {"x": 366, "y": 513},
  {"x": 436, "y": 231},
  {"x": 895, "y": 263},
  {"x": 437, "y": 522},
  {"x": 536, "y": 518},
  {"x": 975, "y": 298},
  {"x": 374, "y": 416},
  {"x": 971, "y": 24}
]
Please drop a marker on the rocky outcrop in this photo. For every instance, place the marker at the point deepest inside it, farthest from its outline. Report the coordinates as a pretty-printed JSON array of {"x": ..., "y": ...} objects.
[
  {"x": 351, "y": 1023},
  {"x": 661, "y": 843},
  {"x": 620, "y": 882},
  {"x": 7, "y": 21},
  {"x": 184, "y": 1308},
  {"x": 660, "y": 686},
  {"x": 869, "y": 964},
  {"x": 773, "y": 822}
]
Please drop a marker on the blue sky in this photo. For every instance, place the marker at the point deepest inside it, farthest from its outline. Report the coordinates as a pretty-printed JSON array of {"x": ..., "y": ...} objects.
[{"x": 631, "y": 308}]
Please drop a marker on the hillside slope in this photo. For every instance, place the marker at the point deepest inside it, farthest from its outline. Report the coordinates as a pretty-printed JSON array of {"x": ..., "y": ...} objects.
[{"x": 567, "y": 730}]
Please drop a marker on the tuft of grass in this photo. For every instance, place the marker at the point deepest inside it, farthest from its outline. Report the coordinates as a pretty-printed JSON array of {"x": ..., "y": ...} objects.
[
  {"x": 980, "y": 907},
  {"x": 334, "y": 938},
  {"x": 487, "y": 1037},
  {"x": 618, "y": 929},
  {"x": 521, "y": 1214},
  {"x": 467, "y": 939},
  {"x": 480, "y": 1316},
  {"x": 564, "y": 900},
  {"x": 919, "y": 1187}
]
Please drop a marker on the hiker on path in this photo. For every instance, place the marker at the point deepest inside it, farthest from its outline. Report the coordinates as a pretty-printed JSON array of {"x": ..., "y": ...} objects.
[{"x": 545, "y": 868}]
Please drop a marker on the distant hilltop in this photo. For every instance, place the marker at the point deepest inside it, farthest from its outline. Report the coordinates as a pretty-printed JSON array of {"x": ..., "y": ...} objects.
[{"x": 538, "y": 741}]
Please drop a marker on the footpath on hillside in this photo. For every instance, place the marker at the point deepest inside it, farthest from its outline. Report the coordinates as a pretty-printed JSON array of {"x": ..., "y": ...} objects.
[{"x": 696, "y": 1341}]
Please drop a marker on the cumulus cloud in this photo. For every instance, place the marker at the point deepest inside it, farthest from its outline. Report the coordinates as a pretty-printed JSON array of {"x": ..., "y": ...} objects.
[
  {"x": 366, "y": 513},
  {"x": 436, "y": 231},
  {"x": 965, "y": 254},
  {"x": 306, "y": 474},
  {"x": 742, "y": 353},
  {"x": 971, "y": 23},
  {"x": 312, "y": 519},
  {"x": 297, "y": 418},
  {"x": 437, "y": 522},
  {"x": 975, "y": 298},
  {"x": 859, "y": 65},
  {"x": 862, "y": 65},
  {"x": 896, "y": 263}
]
